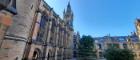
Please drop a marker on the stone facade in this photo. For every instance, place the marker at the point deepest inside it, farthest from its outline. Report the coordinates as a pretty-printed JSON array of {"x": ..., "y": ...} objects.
[
  {"x": 76, "y": 39},
  {"x": 137, "y": 24},
  {"x": 36, "y": 32},
  {"x": 123, "y": 42}
]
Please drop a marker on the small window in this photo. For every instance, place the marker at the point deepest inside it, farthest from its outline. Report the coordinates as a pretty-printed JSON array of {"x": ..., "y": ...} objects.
[
  {"x": 100, "y": 46},
  {"x": 125, "y": 46}
]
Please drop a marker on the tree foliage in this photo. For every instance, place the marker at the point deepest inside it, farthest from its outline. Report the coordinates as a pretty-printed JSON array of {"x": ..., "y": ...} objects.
[
  {"x": 119, "y": 54},
  {"x": 86, "y": 48}
]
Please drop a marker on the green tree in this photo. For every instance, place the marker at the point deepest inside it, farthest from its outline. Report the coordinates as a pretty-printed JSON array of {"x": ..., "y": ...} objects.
[
  {"x": 86, "y": 48},
  {"x": 119, "y": 54}
]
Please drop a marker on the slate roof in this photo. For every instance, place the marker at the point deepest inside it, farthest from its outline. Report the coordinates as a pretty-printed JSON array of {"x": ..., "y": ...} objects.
[{"x": 120, "y": 39}]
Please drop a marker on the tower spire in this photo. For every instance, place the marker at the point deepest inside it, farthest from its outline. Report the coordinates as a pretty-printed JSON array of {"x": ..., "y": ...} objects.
[
  {"x": 68, "y": 7},
  {"x": 68, "y": 16}
]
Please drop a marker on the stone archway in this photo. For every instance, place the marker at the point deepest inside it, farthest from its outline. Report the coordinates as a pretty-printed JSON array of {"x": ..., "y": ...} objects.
[
  {"x": 37, "y": 55},
  {"x": 59, "y": 54},
  {"x": 49, "y": 56}
]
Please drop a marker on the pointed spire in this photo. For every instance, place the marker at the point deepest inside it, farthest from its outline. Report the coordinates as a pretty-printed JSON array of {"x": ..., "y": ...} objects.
[
  {"x": 68, "y": 16},
  {"x": 68, "y": 7},
  {"x": 68, "y": 2}
]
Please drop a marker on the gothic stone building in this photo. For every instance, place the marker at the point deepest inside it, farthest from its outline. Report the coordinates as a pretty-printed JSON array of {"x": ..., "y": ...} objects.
[
  {"x": 76, "y": 39},
  {"x": 137, "y": 24},
  {"x": 31, "y": 30},
  {"x": 123, "y": 42}
]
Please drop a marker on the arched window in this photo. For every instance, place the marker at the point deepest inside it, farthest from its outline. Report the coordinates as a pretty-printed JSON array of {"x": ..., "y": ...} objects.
[{"x": 42, "y": 28}]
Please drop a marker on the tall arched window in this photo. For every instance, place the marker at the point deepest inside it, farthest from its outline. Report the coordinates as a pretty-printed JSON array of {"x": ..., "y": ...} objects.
[{"x": 42, "y": 28}]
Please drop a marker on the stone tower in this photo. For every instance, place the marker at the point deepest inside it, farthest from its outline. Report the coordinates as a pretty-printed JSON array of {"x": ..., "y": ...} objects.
[
  {"x": 68, "y": 15},
  {"x": 68, "y": 18}
]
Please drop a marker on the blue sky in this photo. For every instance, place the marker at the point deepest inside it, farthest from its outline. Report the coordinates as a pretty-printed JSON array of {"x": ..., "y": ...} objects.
[{"x": 101, "y": 17}]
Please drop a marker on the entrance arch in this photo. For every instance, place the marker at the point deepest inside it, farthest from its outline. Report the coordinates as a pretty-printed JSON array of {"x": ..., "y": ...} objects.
[
  {"x": 37, "y": 55},
  {"x": 49, "y": 56}
]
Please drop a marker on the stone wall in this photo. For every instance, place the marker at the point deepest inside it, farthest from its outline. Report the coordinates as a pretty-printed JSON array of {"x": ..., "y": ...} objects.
[
  {"x": 20, "y": 41},
  {"x": 18, "y": 34}
]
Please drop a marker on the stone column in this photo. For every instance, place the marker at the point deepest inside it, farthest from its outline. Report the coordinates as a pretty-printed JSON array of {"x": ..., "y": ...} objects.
[
  {"x": 6, "y": 21},
  {"x": 61, "y": 53},
  {"x": 49, "y": 31},
  {"x": 64, "y": 42},
  {"x": 56, "y": 42},
  {"x": 18, "y": 34},
  {"x": 54, "y": 33},
  {"x": 56, "y": 53}
]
